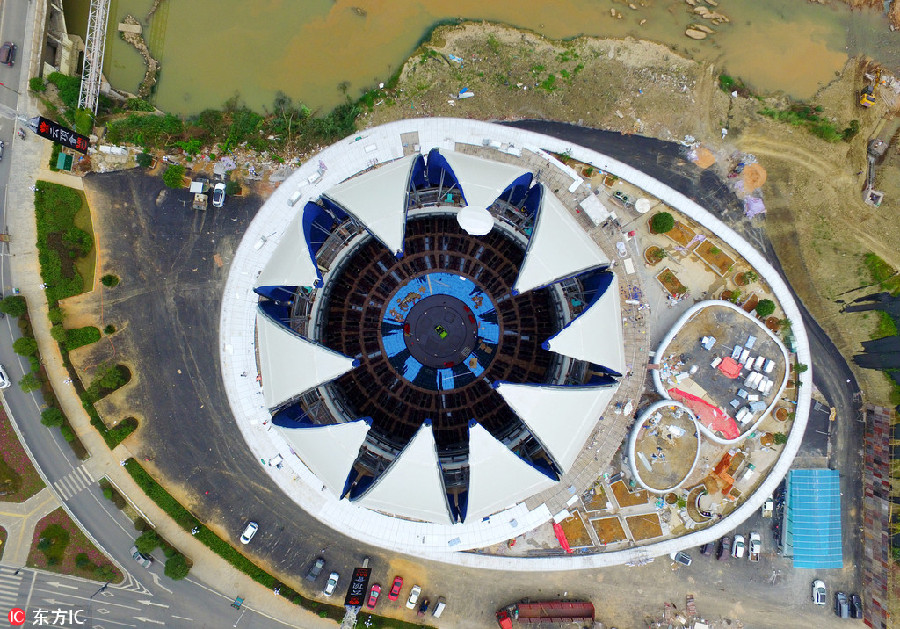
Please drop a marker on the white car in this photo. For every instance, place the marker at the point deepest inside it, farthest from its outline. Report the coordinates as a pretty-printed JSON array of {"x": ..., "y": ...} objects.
[
  {"x": 331, "y": 585},
  {"x": 4, "y": 379},
  {"x": 737, "y": 549},
  {"x": 413, "y": 597},
  {"x": 219, "y": 195},
  {"x": 249, "y": 532},
  {"x": 818, "y": 592}
]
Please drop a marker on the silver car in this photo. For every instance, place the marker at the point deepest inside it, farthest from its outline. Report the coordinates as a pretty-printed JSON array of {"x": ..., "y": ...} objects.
[
  {"x": 219, "y": 195},
  {"x": 331, "y": 586},
  {"x": 141, "y": 558},
  {"x": 4, "y": 379}
]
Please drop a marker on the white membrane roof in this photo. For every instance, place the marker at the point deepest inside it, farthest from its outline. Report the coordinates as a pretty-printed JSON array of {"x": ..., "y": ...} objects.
[
  {"x": 290, "y": 264},
  {"x": 596, "y": 335},
  {"x": 481, "y": 180},
  {"x": 559, "y": 247},
  {"x": 476, "y": 221},
  {"x": 412, "y": 486},
  {"x": 378, "y": 199},
  {"x": 328, "y": 451},
  {"x": 497, "y": 477},
  {"x": 290, "y": 365},
  {"x": 561, "y": 417}
]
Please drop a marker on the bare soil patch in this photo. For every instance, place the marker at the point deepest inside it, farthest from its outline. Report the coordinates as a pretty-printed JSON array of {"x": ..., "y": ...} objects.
[
  {"x": 609, "y": 530},
  {"x": 645, "y": 526},
  {"x": 626, "y": 498},
  {"x": 575, "y": 531}
]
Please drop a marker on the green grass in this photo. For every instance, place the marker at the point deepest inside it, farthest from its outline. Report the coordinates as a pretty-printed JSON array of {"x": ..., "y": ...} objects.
[
  {"x": 882, "y": 273},
  {"x": 55, "y": 209},
  {"x": 809, "y": 117},
  {"x": 885, "y": 327},
  {"x": 86, "y": 264}
]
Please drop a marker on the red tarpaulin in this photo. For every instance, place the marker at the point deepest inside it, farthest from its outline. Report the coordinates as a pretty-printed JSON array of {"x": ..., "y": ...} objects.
[
  {"x": 730, "y": 367},
  {"x": 710, "y": 416},
  {"x": 561, "y": 536}
]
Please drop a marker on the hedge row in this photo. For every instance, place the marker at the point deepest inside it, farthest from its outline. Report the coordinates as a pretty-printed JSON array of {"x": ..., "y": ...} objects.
[{"x": 186, "y": 520}]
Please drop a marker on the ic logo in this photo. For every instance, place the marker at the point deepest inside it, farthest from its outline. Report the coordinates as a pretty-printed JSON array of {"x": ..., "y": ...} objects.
[{"x": 16, "y": 617}]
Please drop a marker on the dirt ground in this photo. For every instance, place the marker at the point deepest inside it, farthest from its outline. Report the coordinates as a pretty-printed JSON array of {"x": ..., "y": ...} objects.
[{"x": 816, "y": 219}]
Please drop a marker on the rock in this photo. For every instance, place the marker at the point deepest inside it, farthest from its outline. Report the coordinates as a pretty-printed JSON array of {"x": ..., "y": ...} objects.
[
  {"x": 701, "y": 10},
  {"x": 642, "y": 22},
  {"x": 712, "y": 3},
  {"x": 695, "y": 34},
  {"x": 691, "y": 2},
  {"x": 612, "y": 12},
  {"x": 702, "y": 27},
  {"x": 632, "y": 7}
]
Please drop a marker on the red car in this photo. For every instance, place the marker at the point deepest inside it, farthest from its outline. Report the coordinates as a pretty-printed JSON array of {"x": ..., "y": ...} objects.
[
  {"x": 373, "y": 596},
  {"x": 395, "y": 588}
]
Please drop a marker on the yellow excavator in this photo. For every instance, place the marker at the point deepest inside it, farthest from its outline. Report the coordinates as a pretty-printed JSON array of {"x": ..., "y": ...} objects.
[{"x": 867, "y": 95}]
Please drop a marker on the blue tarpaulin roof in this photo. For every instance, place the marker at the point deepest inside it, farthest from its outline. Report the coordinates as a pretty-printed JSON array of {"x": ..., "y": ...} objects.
[{"x": 813, "y": 522}]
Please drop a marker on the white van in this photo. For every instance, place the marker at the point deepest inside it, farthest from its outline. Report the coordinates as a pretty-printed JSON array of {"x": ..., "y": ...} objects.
[{"x": 439, "y": 608}]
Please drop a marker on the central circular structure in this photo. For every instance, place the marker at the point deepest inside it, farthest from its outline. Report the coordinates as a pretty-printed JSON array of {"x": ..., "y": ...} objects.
[{"x": 440, "y": 331}]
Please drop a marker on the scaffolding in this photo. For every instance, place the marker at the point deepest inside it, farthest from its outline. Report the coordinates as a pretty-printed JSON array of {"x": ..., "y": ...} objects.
[{"x": 94, "y": 49}]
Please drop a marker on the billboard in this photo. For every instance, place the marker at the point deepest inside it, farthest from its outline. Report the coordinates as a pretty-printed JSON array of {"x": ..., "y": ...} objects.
[
  {"x": 359, "y": 585},
  {"x": 60, "y": 134}
]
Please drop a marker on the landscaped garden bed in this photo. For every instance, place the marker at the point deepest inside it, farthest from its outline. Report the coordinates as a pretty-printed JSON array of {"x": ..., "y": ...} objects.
[
  {"x": 654, "y": 255},
  {"x": 715, "y": 258},
  {"x": 19, "y": 481},
  {"x": 671, "y": 283},
  {"x": 59, "y": 546},
  {"x": 681, "y": 234}
]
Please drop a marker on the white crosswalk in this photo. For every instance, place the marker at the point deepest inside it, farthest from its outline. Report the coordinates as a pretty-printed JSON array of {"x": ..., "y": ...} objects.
[
  {"x": 73, "y": 482},
  {"x": 9, "y": 588}
]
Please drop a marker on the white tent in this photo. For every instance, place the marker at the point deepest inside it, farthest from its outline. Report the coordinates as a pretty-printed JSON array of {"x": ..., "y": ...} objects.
[
  {"x": 497, "y": 477},
  {"x": 481, "y": 180},
  {"x": 412, "y": 486},
  {"x": 290, "y": 364},
  {"x": 559, "y": 247},
  {"x": 476, "y": 221},
  {"x": 328, "y": 451},
  {"x": 378, "y": 199},
  {"x": 596, "y": 335},
  {"x": 561, "y": 417},
  {"x": 290, "y": 264}
]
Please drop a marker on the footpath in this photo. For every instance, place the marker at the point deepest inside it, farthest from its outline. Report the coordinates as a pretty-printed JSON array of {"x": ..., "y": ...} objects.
[{"x": 28, "y": 163}]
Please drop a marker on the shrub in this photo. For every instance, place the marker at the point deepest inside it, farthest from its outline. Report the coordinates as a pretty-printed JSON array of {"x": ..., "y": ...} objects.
[
  {"x": 850, "y": 132},
  {"x": 14, "y": 305},
  {"x": 29, "y": 382},
  {"x": 765, "y": 307},
  {"x": 106, "y": 573},
  {"x": 144, "y": 160},
  {"x": 55, "y": 315},
  {"x": 25, "y": 346},
  {"x": 79, "y": 241},
  {"x": 84, "y": 121},
  {"x": 173, "y": 177},
  {"x": 109, "y": 329},
  {"x": 108, "y": 493},
  {"x": 79, "y": 337},
  {"x": 138, "y": 104},
  {"x": 82, "y": 560},
  {"x": 148, "y": 542},
  {"x": 53, "y": 417},
  {"x": 177, "y": 567},
  {"x": 780, "y": 438},
  {"x": 59, "y": 334},
  {"x": 68, "y": 87},
  {"x": 110, "y": 280},
  {"x": 67, "y": 433},
  {"x": 662, "y": 223},
  {"x": 37, "y": 84},
  {"x": 232, "y": 188}
]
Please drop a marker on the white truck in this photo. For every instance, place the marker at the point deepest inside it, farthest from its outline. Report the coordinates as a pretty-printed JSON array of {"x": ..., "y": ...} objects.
[{"x": 755, "y": 546}]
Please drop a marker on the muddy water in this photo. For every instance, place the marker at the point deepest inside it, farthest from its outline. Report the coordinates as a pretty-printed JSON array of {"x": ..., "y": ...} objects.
[{"x": 212, "y": 50}]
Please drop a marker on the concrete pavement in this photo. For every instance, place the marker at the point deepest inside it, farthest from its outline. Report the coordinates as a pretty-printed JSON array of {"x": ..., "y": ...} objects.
[{"x": 19, "y": 520}]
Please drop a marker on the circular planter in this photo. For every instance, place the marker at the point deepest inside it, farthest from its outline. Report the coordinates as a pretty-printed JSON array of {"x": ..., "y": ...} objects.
[
  {"x": 726, "y": 295},
  {"x": 781, "y": 413},
  {"x": 740, "y": 279},
  {"x": 652, "y": 255},
  {"x": 671, "y": 499},
  {"x": 773, "y": 323}
]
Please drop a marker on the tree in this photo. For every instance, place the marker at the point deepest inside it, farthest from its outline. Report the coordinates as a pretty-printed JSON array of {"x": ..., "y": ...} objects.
[
  {"x": 765, "y": 307},
  {"x": 147, "y": 542},
  {"x": 174, "y": 176},
  {"x": 25, "y": 346},
  {"x": 144, "y": 160},
  {"x": 30, "y": 382},
  {"x": 662, "y": 222},
  {"x": 53, "y": 417},
  {"x": 177, "y": 567},
  {"x": 780, "y": 438},
  {"x": 14, "y": 305}
]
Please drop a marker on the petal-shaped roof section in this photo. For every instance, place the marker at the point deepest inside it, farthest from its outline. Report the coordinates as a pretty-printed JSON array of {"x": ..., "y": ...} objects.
[
  {"x": 497, "y": 477},
  {"x": 558, "y": 248},
  {"x": 481, "y": 180},
  {"x": 290, "y": 364},
  {"x": 560, "y": 417},
  {"x": 290, "y": 264},
  {"x": 378, "y": 199},
  {"x": 596, "y": 334},
  {"x": 328, "y": 451},
  {"x": 412, "y": 486}
]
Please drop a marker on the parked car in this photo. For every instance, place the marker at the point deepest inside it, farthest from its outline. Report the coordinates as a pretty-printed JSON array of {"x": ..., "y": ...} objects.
[
  {"x": 724, "y": 550},
  {"x": 818, "y": 592},
  {"x": 8, "y": 54},
  {"x": 423, "y": 608},
  {"x": 681, "y": 557},
  {"x": 1, "y": 150},
  {"x": 413, "y": 597},
  {"x": 396, "y": 586},
  {"x": 707, "y": 549},
  {"x": 439, "y": 607},
  {"x": 315, "y": 569},
  {"x": 331, "y": 585},
  {"x": 841, "y": 605},
  {"x": 768, "y": 507},
  {"x": 141, "y": 558},
  {"x": 855, "y": 606},
  {"x": 737, "y": 549},
  {"x": 4, "y": 379},
  {"x": 374, "y": 593},
  {"x": 219, "y": 195},
  {"x": 755, "y": 547},
  {"x": 249, "y": 531}
]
